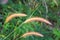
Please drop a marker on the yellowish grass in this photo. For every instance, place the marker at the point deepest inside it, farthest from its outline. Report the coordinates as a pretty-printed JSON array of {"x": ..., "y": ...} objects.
[
  {"x": 38, "y": 19},
  {"x": 32, "y": 33},
  {"x": 14, "y": 15}
]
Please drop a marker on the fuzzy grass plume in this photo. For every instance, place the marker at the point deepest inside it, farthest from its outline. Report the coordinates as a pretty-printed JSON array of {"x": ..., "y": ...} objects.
[
  {"x": 32, "y": 33},
  {"x": 38, "y": 19},
  {"x": 13, "y": 16}
]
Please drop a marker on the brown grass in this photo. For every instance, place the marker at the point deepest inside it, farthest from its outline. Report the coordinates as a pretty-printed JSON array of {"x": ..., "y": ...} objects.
[
  {"x": 12, "y": 16},
  {"x": 32, "y": 33},
  {"x": 37, "y": 19}
]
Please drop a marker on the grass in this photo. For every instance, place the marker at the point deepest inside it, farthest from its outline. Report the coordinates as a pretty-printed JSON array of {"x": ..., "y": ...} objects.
[{"x": 15, "y": 28}]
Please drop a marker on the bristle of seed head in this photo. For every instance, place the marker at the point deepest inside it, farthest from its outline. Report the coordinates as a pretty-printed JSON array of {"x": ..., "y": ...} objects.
[
  {"x": 14, "y": 15},
  {"x": 38, "y": 19},
  {"x": 32, "y": 33}
]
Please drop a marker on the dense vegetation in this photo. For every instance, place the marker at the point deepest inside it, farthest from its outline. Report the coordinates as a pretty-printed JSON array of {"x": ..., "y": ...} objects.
[{"x": 15, "y": 28}]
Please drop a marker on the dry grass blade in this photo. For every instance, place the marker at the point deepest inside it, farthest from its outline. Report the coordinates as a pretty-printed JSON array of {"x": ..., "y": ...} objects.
[
  {"x": 32, "y": 33},
  {"x": 14, "y": 15},
  {"x": 38, "y": 19}
]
